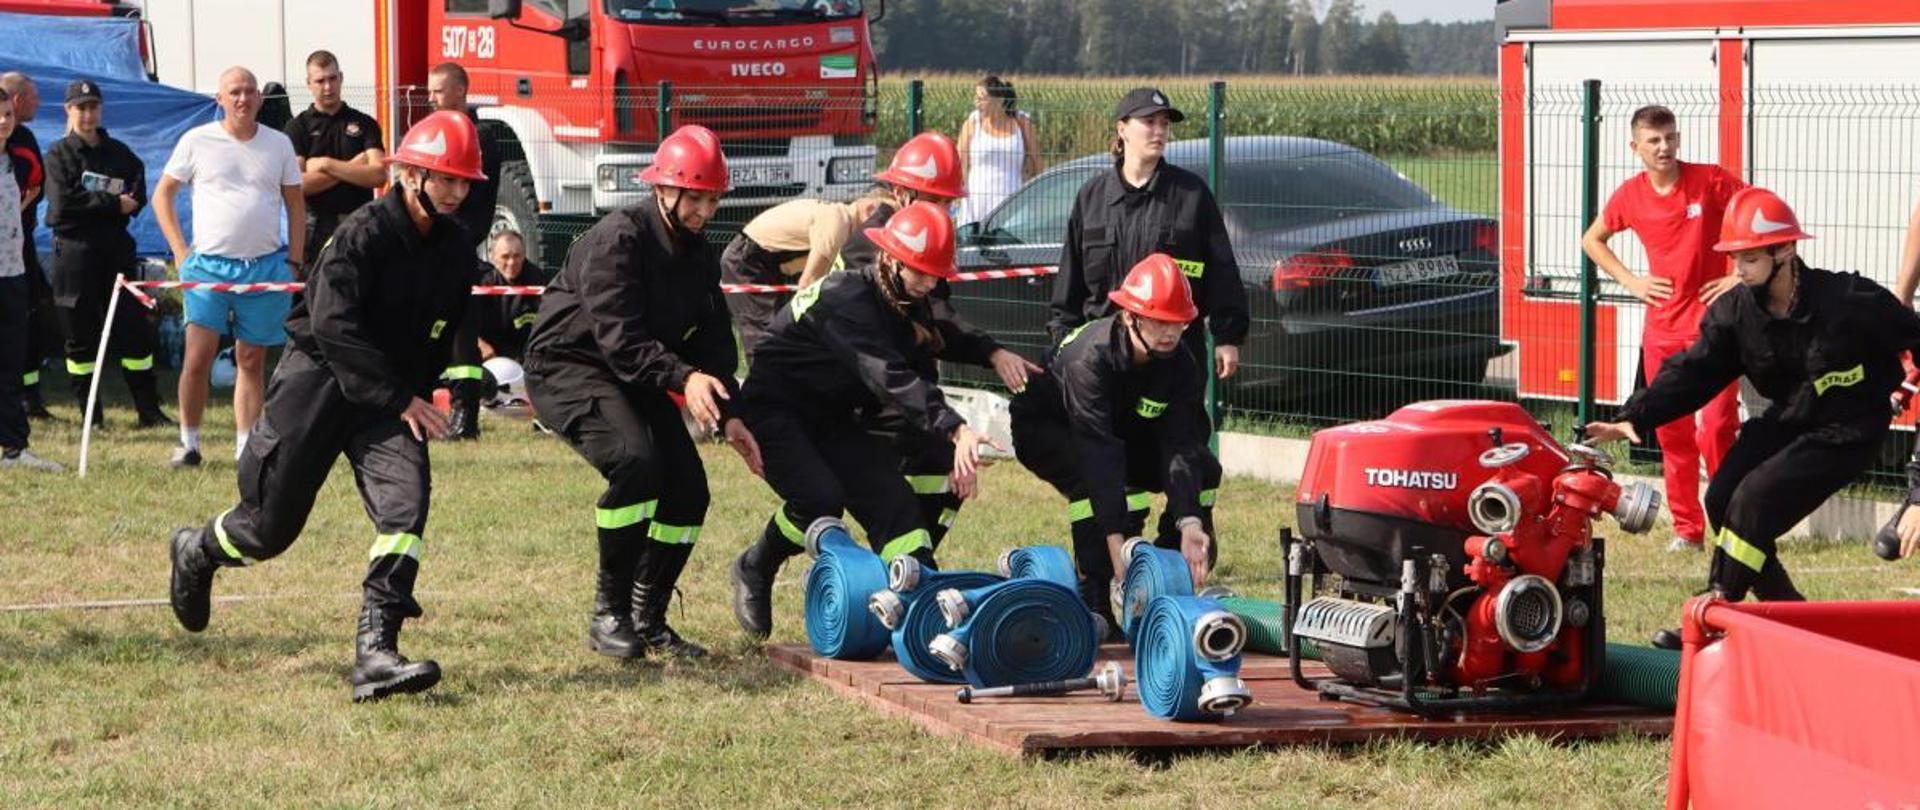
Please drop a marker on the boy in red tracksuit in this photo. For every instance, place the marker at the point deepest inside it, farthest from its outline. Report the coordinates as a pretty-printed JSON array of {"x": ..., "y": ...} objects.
[{"x": 1675, "y": 209}]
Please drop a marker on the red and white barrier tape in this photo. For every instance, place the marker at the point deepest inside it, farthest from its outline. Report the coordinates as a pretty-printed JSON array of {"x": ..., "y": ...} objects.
[{"x": 135, "y": 287}]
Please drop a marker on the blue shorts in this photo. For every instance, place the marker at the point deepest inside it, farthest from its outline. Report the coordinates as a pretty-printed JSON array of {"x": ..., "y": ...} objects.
[{"x": 258, "y": 318}]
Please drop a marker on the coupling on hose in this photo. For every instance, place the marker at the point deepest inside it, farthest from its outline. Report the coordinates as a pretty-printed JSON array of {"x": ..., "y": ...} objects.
[
  {"x": 951, "y": 649},
  {"x": 953, "y": 606},
  {"x": 1219, "y": 636},
  {"x": 888, "y": 607},
  {"x": 904, "y": 573},
  {"x": 1224, "y": 694},
  {"x": 818, "y": 529},
  {"x": 1637, "y": 507}
]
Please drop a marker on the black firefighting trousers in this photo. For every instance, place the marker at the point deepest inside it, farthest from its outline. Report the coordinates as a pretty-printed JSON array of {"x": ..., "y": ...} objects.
[
  {"x": 1773, "y": 477},
  {"x": 307, "y": 424},
  {"x": 828, "y": 464},
  {"x": 637, "y": 440},
  {"x": 81, "y": 319}
]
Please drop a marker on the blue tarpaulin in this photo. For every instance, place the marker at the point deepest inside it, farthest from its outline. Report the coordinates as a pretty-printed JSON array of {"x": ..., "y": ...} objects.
[{"x": 149, "y": 118}]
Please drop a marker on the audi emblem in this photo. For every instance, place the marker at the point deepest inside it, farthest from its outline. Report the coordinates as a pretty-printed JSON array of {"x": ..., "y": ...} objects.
[{"x": 1416, "y": 244}]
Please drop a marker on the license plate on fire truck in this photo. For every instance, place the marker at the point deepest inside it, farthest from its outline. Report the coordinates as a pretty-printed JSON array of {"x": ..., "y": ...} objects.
[
  {"x": 1422, "y": 269},
  {"x": 761, "y": 175}
]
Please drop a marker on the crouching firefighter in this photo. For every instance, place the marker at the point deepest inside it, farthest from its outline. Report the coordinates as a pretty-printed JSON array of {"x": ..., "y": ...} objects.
[
  {"x": 927, "y": 167},
  {"x": 637, "y": 314},
  {"x": 1121, "y": 414},
  {"x": 844, "y": 347},
  {"x": 1823, "y": 347},
  {"x": 368, "y": 339}
]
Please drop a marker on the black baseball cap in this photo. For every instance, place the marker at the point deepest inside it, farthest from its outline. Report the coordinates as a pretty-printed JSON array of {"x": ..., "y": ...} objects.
[
  {"x": 82, "y": 90},
  {"x": 1141, "y": 101}
]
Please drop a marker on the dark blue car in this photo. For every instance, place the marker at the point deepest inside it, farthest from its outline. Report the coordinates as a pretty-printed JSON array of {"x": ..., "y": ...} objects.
[{"x": 1355, "y": 275}]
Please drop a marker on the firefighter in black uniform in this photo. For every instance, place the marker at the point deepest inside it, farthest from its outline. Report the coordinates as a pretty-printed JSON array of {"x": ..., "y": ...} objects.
[
  {"x": 841, "y": 348},
  {"x": 927, "y": 167},
  {"x": 1122, "y": 414},
  {"x": 1824, "y": 348},
  {"x": 95, "y": 186},
  {"x": 368, "y": 338},
  {"x": 1147, "y": 205},
  {"x": 466, "y": 384},
  {"x": 637, "y": 315},
  {"x": 341, "y": 157}
]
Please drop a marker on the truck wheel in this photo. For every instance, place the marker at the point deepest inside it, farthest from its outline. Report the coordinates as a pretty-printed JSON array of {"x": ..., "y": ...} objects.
[{"x": 518, "y": 208}]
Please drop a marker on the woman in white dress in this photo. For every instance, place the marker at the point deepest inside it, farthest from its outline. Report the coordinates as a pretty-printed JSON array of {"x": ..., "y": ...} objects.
[{"x": 997, "y": 148}]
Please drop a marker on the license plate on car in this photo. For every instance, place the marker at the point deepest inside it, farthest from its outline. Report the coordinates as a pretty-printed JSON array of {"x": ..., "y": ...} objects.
[
  {"x": 761, "y": 175},
  {"x": 1422, "y": 269}
]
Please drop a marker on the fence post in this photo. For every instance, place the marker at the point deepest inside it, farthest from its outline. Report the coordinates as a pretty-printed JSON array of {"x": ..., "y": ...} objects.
[
  {"x": 1217, "y": 139},
  {"x": 1589, "y": 207},
  {"x": 663, "y": 110},
  {"x": 916, "y": 106},
  {"x": 1216, "y": 176}
]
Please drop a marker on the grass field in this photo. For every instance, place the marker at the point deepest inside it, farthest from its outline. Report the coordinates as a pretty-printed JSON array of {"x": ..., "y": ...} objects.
[{"x": 121, "y": 708}]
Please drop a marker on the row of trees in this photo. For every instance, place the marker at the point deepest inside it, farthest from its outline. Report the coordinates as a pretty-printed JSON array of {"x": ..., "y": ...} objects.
[{"x": 1109, "y": 37}]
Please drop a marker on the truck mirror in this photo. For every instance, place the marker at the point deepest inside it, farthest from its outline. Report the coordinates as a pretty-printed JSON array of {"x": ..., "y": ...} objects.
[{"x": 503, "y": 9}]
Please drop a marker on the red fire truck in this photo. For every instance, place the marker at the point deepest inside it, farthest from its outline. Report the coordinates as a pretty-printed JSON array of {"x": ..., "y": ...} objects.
[{"x": 572, "y": 87}]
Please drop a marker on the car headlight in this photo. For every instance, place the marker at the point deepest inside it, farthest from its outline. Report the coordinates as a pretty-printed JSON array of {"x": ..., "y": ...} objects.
[
  {"x": 614, "y": 178},
  {"x": 850, "y": 169}
]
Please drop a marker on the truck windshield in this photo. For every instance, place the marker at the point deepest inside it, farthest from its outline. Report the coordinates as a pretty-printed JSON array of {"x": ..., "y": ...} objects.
[{"x": 726, "y": 11}]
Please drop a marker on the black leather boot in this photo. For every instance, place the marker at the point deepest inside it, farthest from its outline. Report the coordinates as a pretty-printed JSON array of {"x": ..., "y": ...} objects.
[
  {"x": 660, "y": 567},
  {"x": 379, "y": 669},
  {"x": 753, "y": 574},
  {"x": 463, "y": 423},
  {"x": 610, "y": 631},
  {"x": 191, "y": 584}
]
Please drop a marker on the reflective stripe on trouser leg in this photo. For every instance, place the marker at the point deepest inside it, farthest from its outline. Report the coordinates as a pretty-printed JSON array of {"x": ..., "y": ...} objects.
[
  {"x": 948, "y": 516},
  {"x": 405, "y": 544},
  {"x": 673, "y": 535},
  {"x": 462, "y": 373},
  {"x": 929, "y": 484},
  {"x": 137, "y": 363},
  {"x": 793, "y": 534},
  {"x": 1137, "y": 503},
  {"x": 1741, "y": 551},
  {"x": 79, "y": 369},
  {"x": 31, "y": 378},
  {"x": 620, "y": 517},
  {"x": 226, "y": 544},
  {"x": 906, "y": 544}
]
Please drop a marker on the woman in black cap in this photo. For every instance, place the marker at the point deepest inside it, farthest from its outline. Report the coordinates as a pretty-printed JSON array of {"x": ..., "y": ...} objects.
[
  {"x": 95, "y": 186},
  {"x": 1147, "y": 205}
]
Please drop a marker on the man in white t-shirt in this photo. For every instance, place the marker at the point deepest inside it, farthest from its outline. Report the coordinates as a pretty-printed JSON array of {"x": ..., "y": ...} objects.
[{"x": 246, "y": 186}]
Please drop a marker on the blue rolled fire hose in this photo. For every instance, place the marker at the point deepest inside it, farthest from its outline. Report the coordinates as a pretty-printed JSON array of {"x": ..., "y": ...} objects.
[
  {"x": 1051, "y": 563},
  {"x": 1018, "y": 631},
  {"x": 915, "y": 618},
  {"x": 1186, "y": 660},
  {"x": 1151, "y": 571},
  {"x": 843, "y": 576}
]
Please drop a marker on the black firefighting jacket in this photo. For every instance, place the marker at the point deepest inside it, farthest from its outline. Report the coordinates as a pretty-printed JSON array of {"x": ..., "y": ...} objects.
[
  {"x": 1110, "y": 403},
  {"x": 837, "y": 347},
  {"x": 95, "y": 243},
  {"x": 1830, "y": 363},
  {"x": 636, "y": 303},
  {"x": 1113, "y": 226},
  {"x": 382, "y": 306},
  {"x": 962, "y": 342}
]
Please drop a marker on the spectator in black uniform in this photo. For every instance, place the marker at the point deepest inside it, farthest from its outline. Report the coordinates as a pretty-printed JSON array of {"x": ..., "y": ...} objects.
[
  {"x": 635, "y": 316},
  {"x": 95, "y": 186},
  {"x": 1123, "y": 414},
  {"x": 341, "y": 157},
  {"x": 844, "y": 347},
  {"x": 1147, "y": 205},
  {"x": 1823, "y": 348},
  {"x": 368, "y": 338},
  {"x": 29, "y": 173},
  {"x": 466, "y": 380}
]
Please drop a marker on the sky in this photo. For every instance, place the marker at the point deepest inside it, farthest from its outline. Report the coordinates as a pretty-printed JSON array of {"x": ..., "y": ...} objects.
[{"x": 1436, "y": 10}]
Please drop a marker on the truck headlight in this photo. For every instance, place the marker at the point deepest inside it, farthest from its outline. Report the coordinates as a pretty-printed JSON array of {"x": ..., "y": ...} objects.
[{"x": 850, "y": 169}]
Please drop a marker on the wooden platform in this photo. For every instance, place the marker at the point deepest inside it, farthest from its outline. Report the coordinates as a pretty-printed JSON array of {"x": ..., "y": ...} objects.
[{"x": 1282, "y": 713}]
